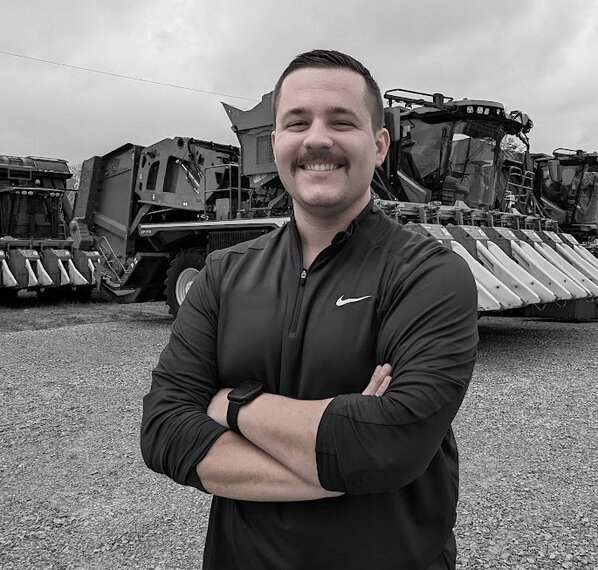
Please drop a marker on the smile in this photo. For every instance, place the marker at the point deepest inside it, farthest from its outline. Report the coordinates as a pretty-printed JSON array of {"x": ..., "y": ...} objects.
[{"x": 321, "y": 167}]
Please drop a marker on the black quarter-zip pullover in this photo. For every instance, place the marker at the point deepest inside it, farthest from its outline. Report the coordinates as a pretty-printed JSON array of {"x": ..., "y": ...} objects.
[{"x": 379, "y": 293}]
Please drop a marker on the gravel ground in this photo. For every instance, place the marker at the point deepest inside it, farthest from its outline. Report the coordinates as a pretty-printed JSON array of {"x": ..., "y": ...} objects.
[{"x": 76, "y": 494}]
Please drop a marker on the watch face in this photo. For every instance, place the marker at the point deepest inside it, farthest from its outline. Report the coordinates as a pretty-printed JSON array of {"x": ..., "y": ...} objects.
[{"x": 245, "y": 392}]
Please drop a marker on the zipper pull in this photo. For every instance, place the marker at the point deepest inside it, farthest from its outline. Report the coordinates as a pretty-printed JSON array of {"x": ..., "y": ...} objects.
[{"x": 303, "y": 277}]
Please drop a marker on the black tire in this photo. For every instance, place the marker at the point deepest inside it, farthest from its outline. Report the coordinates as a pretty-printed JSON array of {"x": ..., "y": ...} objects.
[
  {"x": 181, "y": 273},
  {"x": 83, "y": 294},
  {"x": 8, "y": 297},
  {"x": 52, "y": 295}
]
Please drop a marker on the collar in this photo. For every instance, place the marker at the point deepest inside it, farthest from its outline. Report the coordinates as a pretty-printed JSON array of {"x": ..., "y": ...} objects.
[{"x": 346, "y": 234}]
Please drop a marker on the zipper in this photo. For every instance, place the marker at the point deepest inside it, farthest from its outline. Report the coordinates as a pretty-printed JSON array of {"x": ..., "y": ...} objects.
[
  {"x": 295, "y": 321},
  {"x": 303, "y": 279}
]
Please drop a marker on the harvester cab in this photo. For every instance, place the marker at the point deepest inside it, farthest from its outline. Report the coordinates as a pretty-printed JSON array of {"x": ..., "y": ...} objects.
[
  {"x": 31, "y": 212},
  {"x": 253, "y": 128},
  {"x": 567, "y": 186},
  {"x": 36, "y": 251},
  {"x": 448, "y": 151}
]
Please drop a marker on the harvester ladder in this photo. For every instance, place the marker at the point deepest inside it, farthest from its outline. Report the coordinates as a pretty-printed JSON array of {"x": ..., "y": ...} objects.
[
  {"x": 110, "y": 261},
  {"x": 574, "y": 193},
  {"x": 520, "y": 185},
  {"x": 61, "y": 225}
]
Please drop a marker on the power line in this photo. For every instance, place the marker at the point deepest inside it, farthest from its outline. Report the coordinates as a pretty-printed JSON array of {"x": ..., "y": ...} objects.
[{"x": 129, "y": 77}]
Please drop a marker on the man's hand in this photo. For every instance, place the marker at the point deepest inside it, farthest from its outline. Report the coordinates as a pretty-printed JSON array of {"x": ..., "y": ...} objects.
[
  {"x": 219, "y": 406},
  {"x": 379, "y": 381}
]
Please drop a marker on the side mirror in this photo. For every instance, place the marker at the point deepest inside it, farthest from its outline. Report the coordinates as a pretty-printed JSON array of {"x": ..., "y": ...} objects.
[{"x": 392, "y": 122}]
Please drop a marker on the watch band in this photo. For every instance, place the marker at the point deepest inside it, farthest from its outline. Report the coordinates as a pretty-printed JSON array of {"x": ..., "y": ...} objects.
[
  {"x": 231, "y": 416},
  {"x": 239, "y": 396}
]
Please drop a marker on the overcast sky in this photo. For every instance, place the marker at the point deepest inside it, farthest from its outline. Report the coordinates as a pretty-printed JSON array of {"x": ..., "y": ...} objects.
[{"x": 538, "y": 56}]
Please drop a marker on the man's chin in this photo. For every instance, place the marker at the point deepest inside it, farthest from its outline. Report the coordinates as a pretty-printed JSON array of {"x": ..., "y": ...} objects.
[
  {"x": 323, "y": 199},
  {"x": 326, "y": 205}
]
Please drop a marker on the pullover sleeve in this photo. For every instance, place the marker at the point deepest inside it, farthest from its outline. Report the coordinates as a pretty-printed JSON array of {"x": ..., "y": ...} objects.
[
  {"x": 428, "y": 332},
  {"x": 176, "y": 432}
]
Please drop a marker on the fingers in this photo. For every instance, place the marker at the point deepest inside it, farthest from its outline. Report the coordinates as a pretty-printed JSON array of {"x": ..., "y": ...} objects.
[
  {"x": 379, "y": 381},
  {"x": 383, "y": 386}
]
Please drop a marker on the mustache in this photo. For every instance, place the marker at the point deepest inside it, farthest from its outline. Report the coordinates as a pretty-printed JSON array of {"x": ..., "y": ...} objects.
[{"x": 319, "y": 155}]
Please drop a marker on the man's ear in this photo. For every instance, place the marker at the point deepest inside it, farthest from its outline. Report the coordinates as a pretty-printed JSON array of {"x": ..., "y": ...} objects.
[
  {"x": 273, "y": 141},
  {"x": 382, "y": 144}
]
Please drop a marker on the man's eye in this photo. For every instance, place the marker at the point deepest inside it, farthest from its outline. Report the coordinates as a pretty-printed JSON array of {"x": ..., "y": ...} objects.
[
  {"x": 296, "y": 125},
  {"x": 343, "y": 124}
]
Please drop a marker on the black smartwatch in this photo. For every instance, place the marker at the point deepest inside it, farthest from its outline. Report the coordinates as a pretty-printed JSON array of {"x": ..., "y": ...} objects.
[{"x": 241, "y": 395}]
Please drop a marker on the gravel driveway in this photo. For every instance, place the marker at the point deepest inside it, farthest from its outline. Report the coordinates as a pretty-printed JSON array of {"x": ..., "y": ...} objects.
[{"x": 76, "y": 494}]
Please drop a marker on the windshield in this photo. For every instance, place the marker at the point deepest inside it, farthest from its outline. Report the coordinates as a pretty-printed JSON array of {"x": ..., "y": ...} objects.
[
  {"x": 474, "y": 160},
  {"x": 422, "y": 152},
  {"x": 587, "y": 205},
  {"x": 30, "y": 216},
  {"x": 460, "y": 160},
  {"x": 576, "y": 191},
  {"x": 558, "y": 192}
]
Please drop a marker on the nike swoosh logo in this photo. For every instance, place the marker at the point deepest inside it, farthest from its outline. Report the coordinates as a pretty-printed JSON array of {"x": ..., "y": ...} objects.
[{"x": 340, "y": 301}]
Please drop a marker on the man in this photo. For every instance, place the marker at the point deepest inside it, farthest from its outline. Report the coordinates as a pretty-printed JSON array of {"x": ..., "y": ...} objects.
[{"x": 328, "y": 465}]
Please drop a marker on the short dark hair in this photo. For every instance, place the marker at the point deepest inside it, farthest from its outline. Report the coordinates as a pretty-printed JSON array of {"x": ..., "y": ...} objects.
[{"x": 330, "y": 59}]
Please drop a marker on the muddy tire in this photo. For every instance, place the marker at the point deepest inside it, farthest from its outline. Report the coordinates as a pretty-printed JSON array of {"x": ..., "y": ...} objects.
[{"x": 183, "y": 269}]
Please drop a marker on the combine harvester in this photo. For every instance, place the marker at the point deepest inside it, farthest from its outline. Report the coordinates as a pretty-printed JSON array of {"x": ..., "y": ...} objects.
[
  {"x": 36, "y": 252},
  {"x": 474, "y": 159},
  {"x": 155, "y": 212},
  {"x": 459, "y": 171},
  {"x": 566, "y": 185}
]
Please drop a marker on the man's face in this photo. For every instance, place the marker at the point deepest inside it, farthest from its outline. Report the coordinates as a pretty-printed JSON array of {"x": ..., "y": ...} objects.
[{"x": 324, "y": 144}]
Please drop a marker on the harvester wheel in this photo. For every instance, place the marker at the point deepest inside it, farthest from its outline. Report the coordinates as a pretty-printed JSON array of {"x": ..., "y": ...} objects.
[
  {"x": 83, "y": 294},
  {"x": 183, "y": 269},
  {"x": 51, "y": 295},
  {"x": 8, "y": 296}
]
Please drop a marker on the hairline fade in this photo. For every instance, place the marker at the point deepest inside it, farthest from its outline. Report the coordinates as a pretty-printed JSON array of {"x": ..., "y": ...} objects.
[{"x": 330, "y": 59}]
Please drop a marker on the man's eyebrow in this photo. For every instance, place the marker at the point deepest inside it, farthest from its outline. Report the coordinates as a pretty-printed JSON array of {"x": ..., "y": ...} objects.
[
  {"x": 341, "y": 111},
  {"x": 299, "y": 111},
  {"x": 294, "y": 111}
]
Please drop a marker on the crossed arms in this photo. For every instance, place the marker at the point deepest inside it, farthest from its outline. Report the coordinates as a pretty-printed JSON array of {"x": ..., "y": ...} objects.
[
  {"x": 311, "y": 449},
  {"x": 277, "y": 461}
]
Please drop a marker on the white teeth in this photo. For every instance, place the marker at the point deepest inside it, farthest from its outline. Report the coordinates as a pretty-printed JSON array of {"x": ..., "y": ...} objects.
[{"x": 320, "y": 167}]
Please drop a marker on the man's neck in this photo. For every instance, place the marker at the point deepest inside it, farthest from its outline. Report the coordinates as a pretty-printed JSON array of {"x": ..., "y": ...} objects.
[{"x": 317, "y": 231}]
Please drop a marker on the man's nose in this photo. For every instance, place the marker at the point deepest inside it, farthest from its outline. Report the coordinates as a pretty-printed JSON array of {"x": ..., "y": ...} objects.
[{"x": 318, "y": 135}]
